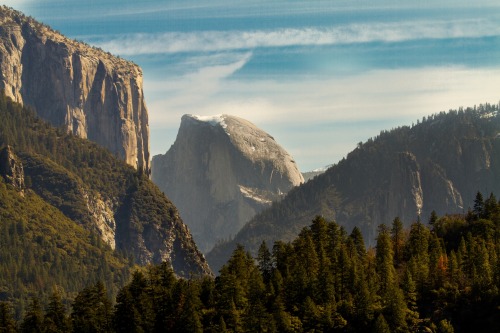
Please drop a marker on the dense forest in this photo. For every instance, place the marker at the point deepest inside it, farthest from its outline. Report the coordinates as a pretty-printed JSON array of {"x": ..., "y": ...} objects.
[
  {"x": 443, "y": 276},
  {"x": 49, "y": 239}
]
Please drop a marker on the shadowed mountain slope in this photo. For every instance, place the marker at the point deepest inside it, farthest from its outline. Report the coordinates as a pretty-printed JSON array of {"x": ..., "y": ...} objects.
[{"x": 407, "y": 172}]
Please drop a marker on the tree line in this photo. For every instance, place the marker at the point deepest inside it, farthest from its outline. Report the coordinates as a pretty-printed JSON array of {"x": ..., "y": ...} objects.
[{"x": 443, "y": 276}]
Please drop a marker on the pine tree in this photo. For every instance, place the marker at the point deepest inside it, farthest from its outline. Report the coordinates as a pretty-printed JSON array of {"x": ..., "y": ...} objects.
[
  {"x": 410, "y": 295},
  {"x": 126, "y": 318},
  {"x": 396, "y": 310},
  {"x": 433, "y": 218},
  {"x": 92, "y": 310},
  {"x": 310, "y": 315},
  {"x": 385, "y": 261},
  {"x": 479, "y": 205},
  {"x": 33, "y": 318},
  {"x": 359, "y": 243},
  {"x": 417, "y": 253},
  {"x": 397, "y": 240},
  {"x": 381, "y": 325},
  {"x": 188, "y": 320},
  {"x": 7, "y": 322},
  {"x": 265, "y": 262},
  {"x": 56, "y": 320},
  {"x": 445, "y": 326}
]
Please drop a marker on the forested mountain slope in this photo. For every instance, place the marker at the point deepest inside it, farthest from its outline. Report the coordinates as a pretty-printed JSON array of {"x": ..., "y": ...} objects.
[
  {"x": 42, "y": 250},
  {"x": 408, "y": 172},
  {"x": 92, "y": 189}
]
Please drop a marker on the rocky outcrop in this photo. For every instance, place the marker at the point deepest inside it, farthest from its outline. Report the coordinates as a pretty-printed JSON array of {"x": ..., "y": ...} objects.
[
  {"x": 11, "y": 169},
  {"x": 220, "y": 172},
  {"x": 102, "y": 215},
  {"x": 88, "y": 91}
]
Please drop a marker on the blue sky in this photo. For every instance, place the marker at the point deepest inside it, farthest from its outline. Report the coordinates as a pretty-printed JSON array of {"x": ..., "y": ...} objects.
[{"x": 319, "y": 76}]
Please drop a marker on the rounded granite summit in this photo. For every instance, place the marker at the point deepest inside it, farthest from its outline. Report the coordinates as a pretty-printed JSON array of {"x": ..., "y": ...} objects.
[{"x": 220, "y": 172}]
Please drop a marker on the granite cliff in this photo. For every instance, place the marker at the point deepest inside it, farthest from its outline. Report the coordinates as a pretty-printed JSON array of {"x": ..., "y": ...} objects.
[
  {"x": 91, "y": 93},
  {"x": 437, "y": 165},
  {"x": 220, "y": 172}
]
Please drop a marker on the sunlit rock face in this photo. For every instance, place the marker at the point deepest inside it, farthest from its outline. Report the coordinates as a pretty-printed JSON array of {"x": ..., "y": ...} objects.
[
  {"x": 220, "y": 172},
  {"x": 89, "y": 92}
]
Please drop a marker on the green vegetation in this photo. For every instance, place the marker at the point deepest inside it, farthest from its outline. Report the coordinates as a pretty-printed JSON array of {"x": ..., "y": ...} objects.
[
  {"x": 444, "y": 277},
  {"x": 49, "y": 238},
  {"x": 42, "y": 250}
]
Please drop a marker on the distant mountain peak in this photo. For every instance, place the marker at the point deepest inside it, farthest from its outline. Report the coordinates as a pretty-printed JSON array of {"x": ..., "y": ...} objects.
[{"x": 220, "y": 172}]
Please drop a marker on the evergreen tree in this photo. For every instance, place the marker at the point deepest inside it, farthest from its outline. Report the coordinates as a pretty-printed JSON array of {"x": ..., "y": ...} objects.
[
  {"x": 491, "y": 208},
  {"x": 396, "y": 310},
  {"x": 358, "y": 241},
  {"x": 410, "y": 295},
  {"x": 7, "y": 322},
  {"x": 445, "y": 326},
  {"x": 188, "y": 320},
  {"x": 381, "y": 325},
  {"x": 479, "y": 205},
  {"x": 33, "y": 318},
  {"x": 265, "y": 262},
  {"x": 92, "y": 310},
  {"x": 385, "y": 261},
  {"x": 417, "y": 253},
  {"x": 56, "y": 319},
  {"x": 397, "y": 240},
  {"x": 433, "y": 218},
  {"x": 126, "y": 318}
]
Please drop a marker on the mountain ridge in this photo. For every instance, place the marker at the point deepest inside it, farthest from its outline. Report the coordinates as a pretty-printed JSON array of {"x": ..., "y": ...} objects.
[{"x": 408, "y": 172}]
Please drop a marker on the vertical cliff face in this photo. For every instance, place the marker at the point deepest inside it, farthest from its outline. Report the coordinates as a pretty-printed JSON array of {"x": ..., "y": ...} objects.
[
  {"x": 220, "y": 172},
  {"x": 91, "y": 93},
  {"x": 405, "y": 194}
]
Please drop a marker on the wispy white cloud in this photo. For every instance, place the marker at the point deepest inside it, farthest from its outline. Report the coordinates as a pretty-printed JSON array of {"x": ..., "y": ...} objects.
[
  {"x": 213, "y": 41},
  {"x": 207, "y": 79}
]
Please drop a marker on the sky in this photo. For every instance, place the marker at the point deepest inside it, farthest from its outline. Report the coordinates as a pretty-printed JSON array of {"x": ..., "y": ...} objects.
[{"x": 319, "y": 76}]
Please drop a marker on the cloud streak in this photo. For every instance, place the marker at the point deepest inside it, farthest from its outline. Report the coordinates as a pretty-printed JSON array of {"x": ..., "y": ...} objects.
[{"x": 216, "y": 41}]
